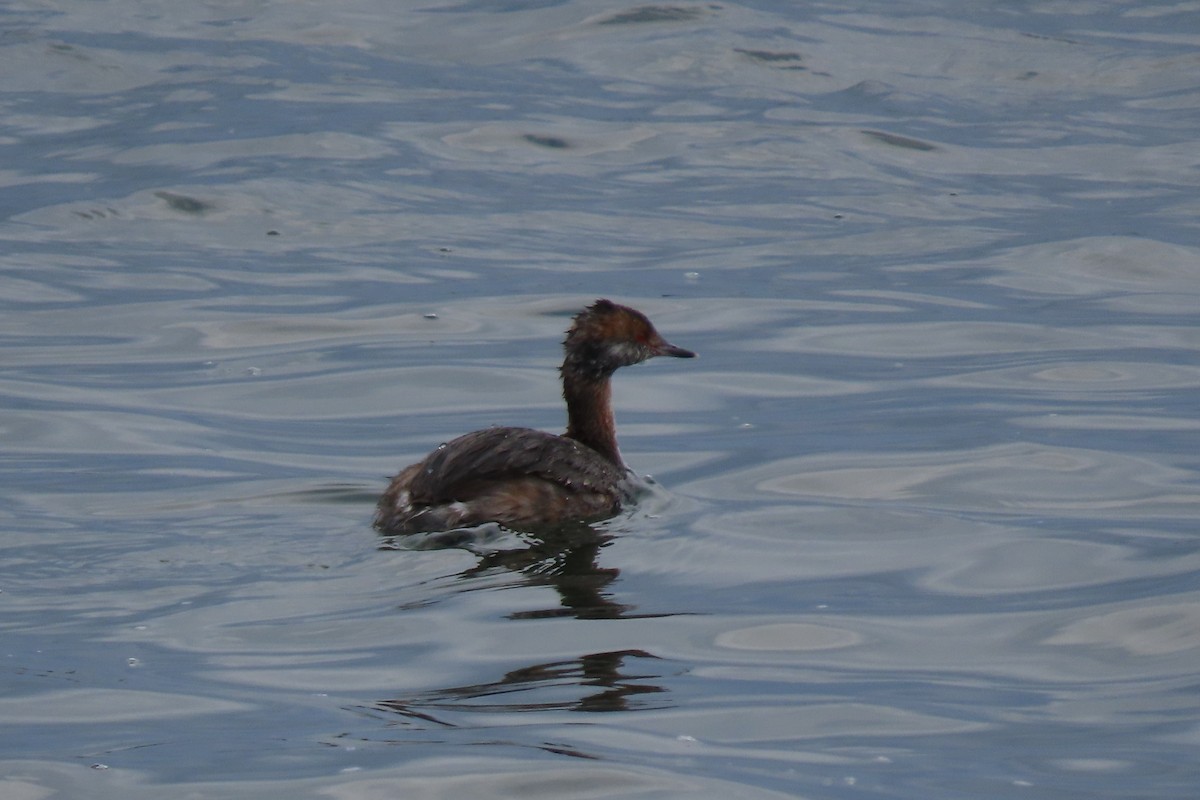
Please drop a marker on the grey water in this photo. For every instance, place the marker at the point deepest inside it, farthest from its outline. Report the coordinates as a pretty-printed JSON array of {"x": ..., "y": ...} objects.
[{"x": 925, "y": 518}]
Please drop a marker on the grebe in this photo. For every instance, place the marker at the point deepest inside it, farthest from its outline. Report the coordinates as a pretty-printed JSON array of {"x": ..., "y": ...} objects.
[{"x": 524, "y": 478}]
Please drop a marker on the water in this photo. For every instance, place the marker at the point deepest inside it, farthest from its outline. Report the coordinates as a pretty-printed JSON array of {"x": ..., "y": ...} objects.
[{"x": 926, "y": 526}]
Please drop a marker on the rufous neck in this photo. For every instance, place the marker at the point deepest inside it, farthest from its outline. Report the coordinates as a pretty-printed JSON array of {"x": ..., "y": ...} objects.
[{"x": 589, "y": 414}]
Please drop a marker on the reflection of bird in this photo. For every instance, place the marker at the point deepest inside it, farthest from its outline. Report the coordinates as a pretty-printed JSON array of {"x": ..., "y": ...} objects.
[
  {"x": 607, "y": 682},
  {"x": 525, "y": 478}
]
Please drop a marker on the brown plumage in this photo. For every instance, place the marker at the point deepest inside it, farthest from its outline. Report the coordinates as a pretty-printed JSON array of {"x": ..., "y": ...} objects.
[{"x": 525, "y": 478}]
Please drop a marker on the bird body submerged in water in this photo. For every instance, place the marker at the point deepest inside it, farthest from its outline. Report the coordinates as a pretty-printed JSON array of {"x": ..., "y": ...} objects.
[{"x": 524, "y": 478}]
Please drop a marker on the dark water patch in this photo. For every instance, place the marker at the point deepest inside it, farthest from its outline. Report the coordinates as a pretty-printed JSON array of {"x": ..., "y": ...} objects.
[
  {"x": 184, "y": 203},
  {"x": 552, "y": 142},
  {"x": 785, "y": 60},
  {"x": 652, "y": 14},
  {"x": 900, "y": 141}
]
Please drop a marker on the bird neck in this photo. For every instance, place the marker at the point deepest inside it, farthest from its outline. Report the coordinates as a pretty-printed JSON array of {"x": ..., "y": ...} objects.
[{"x": 589, "y": 414}]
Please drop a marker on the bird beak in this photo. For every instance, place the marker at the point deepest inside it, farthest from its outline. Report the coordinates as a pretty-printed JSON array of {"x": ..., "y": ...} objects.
[{"x": 668, "y": 349}]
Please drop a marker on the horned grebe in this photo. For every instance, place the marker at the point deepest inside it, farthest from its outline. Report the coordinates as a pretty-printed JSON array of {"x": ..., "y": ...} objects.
[{"x": 525, "y": 478}]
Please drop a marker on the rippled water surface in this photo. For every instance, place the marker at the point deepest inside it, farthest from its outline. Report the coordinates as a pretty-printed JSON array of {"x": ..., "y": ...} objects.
[{"x": 926, "y": 518}]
